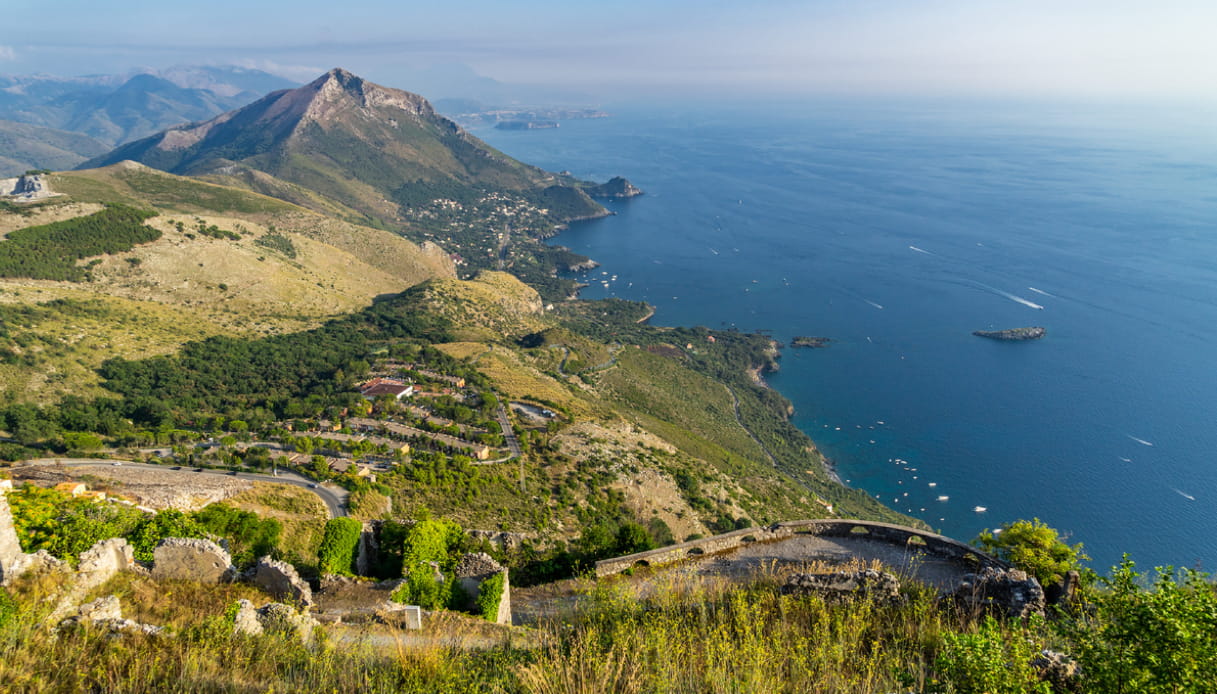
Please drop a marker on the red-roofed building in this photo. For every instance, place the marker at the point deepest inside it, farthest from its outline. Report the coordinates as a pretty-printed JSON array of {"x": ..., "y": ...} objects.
[{"x": 385, "y": 386}]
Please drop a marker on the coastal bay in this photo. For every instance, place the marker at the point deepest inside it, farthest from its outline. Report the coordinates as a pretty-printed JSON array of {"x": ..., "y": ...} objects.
[{"x": 898, "y": 232}]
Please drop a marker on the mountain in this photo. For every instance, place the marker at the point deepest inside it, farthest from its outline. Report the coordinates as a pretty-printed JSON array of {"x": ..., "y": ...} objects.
[
  {"x": 354, "y": 140},
  {"x": 117, "y": 108},
  {"x": 387, "y": 156},
  {"x": 24, "y": 147}
]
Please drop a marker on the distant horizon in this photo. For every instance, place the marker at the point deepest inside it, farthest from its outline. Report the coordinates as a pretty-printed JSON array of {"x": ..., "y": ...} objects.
[{"x": 1090, "y": 50}]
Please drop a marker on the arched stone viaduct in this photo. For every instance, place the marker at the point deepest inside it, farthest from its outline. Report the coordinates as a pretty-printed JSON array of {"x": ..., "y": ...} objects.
[{"x": 912, "y": 540}]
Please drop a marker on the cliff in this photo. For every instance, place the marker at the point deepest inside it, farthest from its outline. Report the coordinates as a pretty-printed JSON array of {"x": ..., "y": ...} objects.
[{"x": 616, "y": 187}]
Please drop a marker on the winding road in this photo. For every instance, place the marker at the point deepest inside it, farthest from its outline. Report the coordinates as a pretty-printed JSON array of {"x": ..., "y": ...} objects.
[{"x": 334, "y": 498}]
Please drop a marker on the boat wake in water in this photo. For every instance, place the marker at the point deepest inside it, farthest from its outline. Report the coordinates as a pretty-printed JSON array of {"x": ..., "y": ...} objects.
[
  {"x": 1143, "y": 442},
  {"x": 920, "y": 250},
  {"x": 1041, "y": 291},
  {"x": 1183, "y": 494},
  {"x": 1012, "y": 297}
]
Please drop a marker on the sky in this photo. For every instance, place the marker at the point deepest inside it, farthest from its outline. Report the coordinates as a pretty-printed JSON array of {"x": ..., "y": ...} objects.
[{"x": 1037, "y": 48}]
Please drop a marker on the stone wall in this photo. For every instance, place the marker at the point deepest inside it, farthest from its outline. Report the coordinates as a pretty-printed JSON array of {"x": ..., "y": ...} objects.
[
  {"x": 281, "y": 580},
  {"x": 911, "y": 539},
  {"x": 10, "y": 547},
  {"x": 191, "y": 559},
  {"x": 475, "y": 568}
]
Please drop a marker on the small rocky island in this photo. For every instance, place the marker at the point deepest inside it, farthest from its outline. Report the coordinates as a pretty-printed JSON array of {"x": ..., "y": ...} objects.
[
  {"x": 805, "y": 341},
  {"x": 1013, "y": 334},
  {"x": 616, "y": 187}
]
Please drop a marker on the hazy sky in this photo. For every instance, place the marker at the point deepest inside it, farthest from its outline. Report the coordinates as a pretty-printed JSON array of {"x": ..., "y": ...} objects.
[{"x": 1150, "y": 48}]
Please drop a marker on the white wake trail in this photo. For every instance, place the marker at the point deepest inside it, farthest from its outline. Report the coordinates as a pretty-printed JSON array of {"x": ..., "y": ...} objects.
[{"x": 1143, "y": 442}]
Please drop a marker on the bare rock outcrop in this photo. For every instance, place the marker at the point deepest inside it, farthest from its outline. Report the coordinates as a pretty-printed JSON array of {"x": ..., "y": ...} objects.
[
  {"x": 839, "y": 586},
  {"x": 191, "y": 559},
  {"x": 281, "y": 580},
  {"x": 274, "y": 618},
  {"x": 1007, "y": 593}
]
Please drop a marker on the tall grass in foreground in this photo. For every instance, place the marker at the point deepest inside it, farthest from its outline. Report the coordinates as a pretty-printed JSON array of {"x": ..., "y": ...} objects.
[{"x": 1130, "y": 636}]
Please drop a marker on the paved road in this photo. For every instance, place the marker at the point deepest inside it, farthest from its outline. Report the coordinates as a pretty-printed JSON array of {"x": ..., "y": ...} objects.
[
  {"x": 509, "y": 434},
  {"x": 334, "y": 498}
]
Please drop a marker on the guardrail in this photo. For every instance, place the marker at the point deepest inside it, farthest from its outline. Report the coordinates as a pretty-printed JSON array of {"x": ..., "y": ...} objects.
[{"x": 912, "y": 539}]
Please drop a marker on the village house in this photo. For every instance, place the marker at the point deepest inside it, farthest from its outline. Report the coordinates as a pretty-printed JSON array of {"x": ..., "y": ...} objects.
[{"x": 378, "y": 387}]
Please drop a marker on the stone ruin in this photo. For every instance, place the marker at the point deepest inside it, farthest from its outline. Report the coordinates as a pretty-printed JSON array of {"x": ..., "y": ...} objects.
[
  {"x": 192, "y": 559},
  {"x": 274, "y": 618},
  {"x": 839, "y": 586},
  {"x": 106, "y": 613},
  {"x": 1009, "y": 593},
  {"x": 472, "y": 570},
  {"x": 281, "y": 580}
]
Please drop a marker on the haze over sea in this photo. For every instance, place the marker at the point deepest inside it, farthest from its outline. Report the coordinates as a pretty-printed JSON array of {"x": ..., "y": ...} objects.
[{"x": 898, "y": 230}]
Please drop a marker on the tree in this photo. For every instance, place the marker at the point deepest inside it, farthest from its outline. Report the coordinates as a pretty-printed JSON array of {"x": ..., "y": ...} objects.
[
  {"x": 1034, "y": 548},
  {"x": 339, "y": 546}
]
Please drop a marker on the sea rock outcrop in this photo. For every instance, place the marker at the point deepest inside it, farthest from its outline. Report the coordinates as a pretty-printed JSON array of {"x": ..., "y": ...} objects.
[
  {"x": 1007, "y": 593},
  {"x": 1013, "y": 334},
  {"x": 191, "y": 559},
  {"x": 616, "y": 187},
  {"x": 281, "y": 580},
  {"x": 839, "y": 586}
]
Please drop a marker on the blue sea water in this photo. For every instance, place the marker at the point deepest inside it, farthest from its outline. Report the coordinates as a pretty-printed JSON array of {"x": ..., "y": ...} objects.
[{"x": 896, "y": 231}]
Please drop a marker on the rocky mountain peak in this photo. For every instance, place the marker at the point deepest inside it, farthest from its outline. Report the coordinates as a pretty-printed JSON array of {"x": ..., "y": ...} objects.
[{"x": 339, "y": 87}]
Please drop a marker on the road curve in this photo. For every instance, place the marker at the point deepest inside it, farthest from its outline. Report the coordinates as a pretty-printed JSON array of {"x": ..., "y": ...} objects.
[{"x": 335, "y": 499}]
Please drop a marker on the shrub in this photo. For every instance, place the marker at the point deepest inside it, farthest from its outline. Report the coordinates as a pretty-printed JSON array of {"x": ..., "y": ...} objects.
[
  {"x": 1034, "y": 548},
  {"x": 989, "y": 662},
  {"x": 339, "y": 546},
  {"x": 490, "y": 593},
  {"x": 424, "y": 588},
  {"x": 1148, "y": 640}
]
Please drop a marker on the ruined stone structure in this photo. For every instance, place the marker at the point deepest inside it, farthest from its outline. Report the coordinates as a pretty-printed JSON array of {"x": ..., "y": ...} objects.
[
  {"x": 369, "y": 549},
  {"x": 475, "y": 568},
  {"x": 281, "y": 580},
  {"x": 10, "y": 547},
  {"x": 838, "y": 586},
  {"x": 103, "y": 561},
  {"x": 274, "y": 618},
  {"x": 912, "y": 540},
  {"x": 1001, "y": 592},
  {"x": 106, "y": 613},
  {"x": 191, "y": 559}
]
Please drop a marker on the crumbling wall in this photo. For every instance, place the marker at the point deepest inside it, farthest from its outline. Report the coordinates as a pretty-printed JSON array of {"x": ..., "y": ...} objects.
[
  {"x": 191, "y": 559},
  {"x": 10, "y": 546},
  {"x": 281, "y": 580}
]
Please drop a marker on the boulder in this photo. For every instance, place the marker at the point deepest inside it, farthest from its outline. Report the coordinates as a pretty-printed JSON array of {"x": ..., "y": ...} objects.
[
  {"x": 191, "y": 559},
  {"x": 246, "y": 619},
  {"x": 838, "y": 586},
  {"x": 1007, "y": 593},
  {"x": 281, "y": 580},
  {"x": 1061, "y": 672}
]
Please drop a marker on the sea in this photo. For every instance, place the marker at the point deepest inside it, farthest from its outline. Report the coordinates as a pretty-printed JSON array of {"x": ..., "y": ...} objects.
[{"x": 895, "y": 230}]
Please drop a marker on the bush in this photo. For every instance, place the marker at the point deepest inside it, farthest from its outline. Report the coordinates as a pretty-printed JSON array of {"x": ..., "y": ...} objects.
[
  {"x": 1148, "y": 640},
  {"x": 1034, "y": 548},
  {"x": 490, "y": 593},
  {"x": 989, "y": 662},
  {"x": 424, "y": 588},
  {"x": 339, "y": 546}
]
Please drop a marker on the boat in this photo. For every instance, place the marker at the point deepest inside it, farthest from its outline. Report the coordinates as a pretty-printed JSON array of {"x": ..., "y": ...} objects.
[
  {"x": 980, "y": 509},
  {"x": 944, "y": 497}
]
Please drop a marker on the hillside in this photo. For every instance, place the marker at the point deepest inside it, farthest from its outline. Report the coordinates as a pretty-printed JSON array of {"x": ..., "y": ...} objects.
[
  {"x": 118, "y": 108},
  {"x": 227, "y": 262},
  {"x": 383, "y": 157},
  {"x": 24, "y": 147}
]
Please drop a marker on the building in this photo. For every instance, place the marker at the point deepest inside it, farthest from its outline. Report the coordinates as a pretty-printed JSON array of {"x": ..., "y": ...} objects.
[{"x": 378, "y": 387}]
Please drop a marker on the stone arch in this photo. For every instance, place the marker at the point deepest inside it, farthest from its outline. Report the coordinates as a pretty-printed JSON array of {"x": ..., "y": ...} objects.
[
  {"x": 748, "y": 539},
  {"x": 859, "y": 530},
  {"x": 916, "y": 541},
  {"x": 696, "y": 551}
]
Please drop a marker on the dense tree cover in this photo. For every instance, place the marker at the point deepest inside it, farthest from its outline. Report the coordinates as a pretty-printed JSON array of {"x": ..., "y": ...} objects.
[
  {"x": 50, "y": 251},
  {"x": 339, "y": 546}
]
